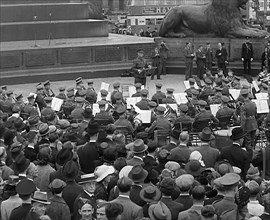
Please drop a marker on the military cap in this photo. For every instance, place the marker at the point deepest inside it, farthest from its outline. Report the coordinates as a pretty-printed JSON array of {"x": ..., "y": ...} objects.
[
  {"x": 158, "y": 85},
  {"x": 16, "y": 109},
  {"x": 138, "y": 85},
  {"x": 90, "y": 81},
  {"x": 194, "y": 92},
  {"x": 202, "y": 103},
  {"x": 40, "y": 87},
  {"x": 144, "y": 92},
  {"x": 225, "y": 80},
  {"x": 103, "y": 92},
  {"x": 230, "y": 179},
  {"x": 140, "y": 50},
  {"x": 9, "y": 92},
  {"x": 161, "y": 109},
  {"x": 102, "y": 103},
  {"x": 244, "y": 91},
  {"x": 70, "y": 94},
  {"x": 218, "y": 81},
  {"x": 183, "y": 107},
  {"x": 152, "y": 104},
  {"x": 74, "y": 126},
  {"x": 191, "y": 81},
  {"x": 46, "y": 82},
  {"x": 25, "y": 187},
  {"x": 170, "y": 90},
  {"x": 79, "y": 99},
  {"x": 116, "y": 85},
  {"x": 225, "y": 99},
  {"x": 78, "y": 80},
  {"x": 61, "y": 89},
  {"x": 121, "y": 110},
  {"x": 70, "y": 89},
  {"x": 82, "y": 92},
  {"x": 19, "y": 96},
  {"x": 118, "y": 95},
  {"x": 39, "y": 84},
  {"x": 208, "y": 81},
  {"x": 48, "y": 99},
  {"x": 218, "y": 88},
  {"x": 4, "y": 87},
  {"x": 63, "y": 123}
]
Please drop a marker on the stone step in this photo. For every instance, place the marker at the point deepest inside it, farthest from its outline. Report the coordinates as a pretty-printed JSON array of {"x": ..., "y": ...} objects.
[
  {"x": 21, "y": 31},
  {"x": 8, "y": 2},
  {"x": 58, "y": 11}
]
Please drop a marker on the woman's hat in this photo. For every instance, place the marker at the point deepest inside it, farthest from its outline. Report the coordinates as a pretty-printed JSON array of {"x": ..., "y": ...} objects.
[
  {"x": 101, "y": 172},
  {"x": 138, "y": 174},
  {"x": 242, "y": 196},
  {"x": 64, "y": 155},
  {"x": 150, "y": 194},
  {"x": 125, "y": 171},
  {"x": 21, "y": 163},
  {"x": 159, "y": 211},
  {"x": 41, "y": 197},
  {"x": 237, "y": 133},
  {"x": 194, "y": 168},
  {"x": 70, "y": 170},
  {"x": 139, "y": 146},
  {"x": 206, "y": 134}
]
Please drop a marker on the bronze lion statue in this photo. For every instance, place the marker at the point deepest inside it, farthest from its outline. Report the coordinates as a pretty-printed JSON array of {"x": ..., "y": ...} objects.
[{"x": 220, "y": 18}]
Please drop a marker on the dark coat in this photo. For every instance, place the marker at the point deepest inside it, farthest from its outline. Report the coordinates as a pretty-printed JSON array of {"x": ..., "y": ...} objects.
[
  {"x": 221, "y": 55},
  {"x": 247, "y": 51},
  {"x": 20, "y": 212},
  {"x": 174, "y": 207},
  {"x": 88, "y": 157},
  {"x": 101, "y": 192},
  {"x": 185, "y": 200},
  {"x": 209, "y": 155},
  {"x": 258, "y": 161},
  {"x": 134, "y": 195},
  {"x": 236, "y": 157},
  {"x": 58, "y": 209}
]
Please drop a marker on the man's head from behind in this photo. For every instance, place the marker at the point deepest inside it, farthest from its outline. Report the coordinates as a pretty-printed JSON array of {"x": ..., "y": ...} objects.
[{"x": 113, "y": 211}]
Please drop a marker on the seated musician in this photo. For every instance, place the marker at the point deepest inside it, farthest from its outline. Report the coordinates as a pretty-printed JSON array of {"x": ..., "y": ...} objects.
[
  {"x": 123, "y": 121},
  {"x": 193, "y": 103},
  {"x": 204, "y": 114},
  {"x": 169, "y": 98},
  {"x": 183, "y": 118},
  {"x": 159, "y": 95},
  {"x": 138, "y": 68},
  {"x": 138, "y": 87},
  {"x": 225, "y": 112},
  {"x": 144, "y": 103},
  {"x": 103, "y": 114}
]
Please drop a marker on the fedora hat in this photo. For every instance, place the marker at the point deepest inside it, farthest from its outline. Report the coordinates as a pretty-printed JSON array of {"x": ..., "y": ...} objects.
[
  {"x": 40, "y": 197},
  {"x": 206, "y": 134},
  {"x": 70, "y": 170},
  {"x": 21, "y": 163},
  {"x": 64, "y": 155},
  {"x": 237, "y": 133},
  {"x": 43, "y": 129},
  {"x": 12, "y": 180},
  {"x": 139, "y": 146},
  {"x": 159, "y": 211},
  {"x": 150, "y": 194},
  {"x": 194, "y": 168},
  {"x": 101, "y": 172},
  {"x": 138, "y": 174}
]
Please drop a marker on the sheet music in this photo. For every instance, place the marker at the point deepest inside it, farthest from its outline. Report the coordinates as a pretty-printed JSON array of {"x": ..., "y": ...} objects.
[
  {"x": 187, "y": 85},
  {"x": 174, "y": 107},
  {"x": 144, "y": 116},
  {"x": 255, "y": 85},
  {"x": 262, "y": 106},
  {"x": 95, "y": 108},
  {"x": 105, "y": 86},
  {"x": 180, "y": 98},
  {"x": 131, "y": 90},
  {"x": 56, "y": 104},
  {"x": 132, "y": 101},
  {"x": 235, "y": 93},
  {"x": 261, "y": 95},
  {"x": 214, "y": 108}
]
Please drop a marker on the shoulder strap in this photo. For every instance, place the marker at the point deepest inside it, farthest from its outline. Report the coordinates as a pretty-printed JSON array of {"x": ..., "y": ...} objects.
[{"x": 264, "y": 162}]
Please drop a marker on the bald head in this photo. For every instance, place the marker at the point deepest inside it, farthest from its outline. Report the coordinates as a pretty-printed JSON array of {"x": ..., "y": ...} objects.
[{"x": 183, "y": 137}]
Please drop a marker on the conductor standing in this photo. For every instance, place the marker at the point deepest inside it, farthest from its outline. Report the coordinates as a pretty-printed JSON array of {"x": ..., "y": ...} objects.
[{"x": 247, "y": 56}]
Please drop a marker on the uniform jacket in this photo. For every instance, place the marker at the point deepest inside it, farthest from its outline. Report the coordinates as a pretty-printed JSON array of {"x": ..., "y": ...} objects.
[
  {"x": 91, "y": 96},
  {"x": 143, "y": 104},
  {"x": 58, "y": 209},
  {"x": 131, "y": 210},
  {"x": 137, "y": 94},
  {"x": 248, "y": 116},
  {"x": 139, "y": 64},
  {"x": 227, "y": 203},
  {"x": 158, "y": 96},
  {"x": 21, "y": 212},
  {"x": 160, "y": 124},
  {"x": 174, "y": 207},
  {"x": 125, "y": 123},
  {"x": 104, "y": 116},
  {"x": 168, "y": 100},
  {"x": 88, "y": 157},
  {"x": 247, "y": 51},
  {"x": 236, "y": 157}
]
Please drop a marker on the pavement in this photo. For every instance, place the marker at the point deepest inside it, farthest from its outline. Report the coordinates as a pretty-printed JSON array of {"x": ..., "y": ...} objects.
[{"x": 168, "y": 81}]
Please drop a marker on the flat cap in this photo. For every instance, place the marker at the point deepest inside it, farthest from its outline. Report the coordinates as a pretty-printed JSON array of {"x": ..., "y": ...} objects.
[
  {"x": 202, "y": 103},
  {"x": 184, "y": 181},
  {"x": 230, "y": 179},
  {"x": 57, "y": 184}
]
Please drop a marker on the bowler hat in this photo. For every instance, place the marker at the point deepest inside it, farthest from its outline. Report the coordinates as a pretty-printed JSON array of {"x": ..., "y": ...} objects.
[
  {"x": 25, "y": 187},
  {"x": 138, "y": 174},
  {"x": 63, "y": 156},
  {"x": 70, "y": 170},
  {"x": 40, "y": 197},
  {"x": 159, "y": 211},
  {"x": 206, "y": 134},
  {"x": 150, "y": 194},
  {"x": 21, "y": 163},
  {"x": 194, "y": 168},
  {"x": 92, "y": 128},
  {"x": 237, "y": 133},
  {"x": 139, "y": 146}
]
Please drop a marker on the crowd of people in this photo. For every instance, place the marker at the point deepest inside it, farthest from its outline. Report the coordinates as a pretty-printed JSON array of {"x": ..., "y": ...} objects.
[{"x": 81, "y": 164}]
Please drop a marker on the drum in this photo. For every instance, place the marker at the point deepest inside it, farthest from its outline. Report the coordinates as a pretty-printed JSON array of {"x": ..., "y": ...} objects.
[{"x": 222, "y": 139}]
